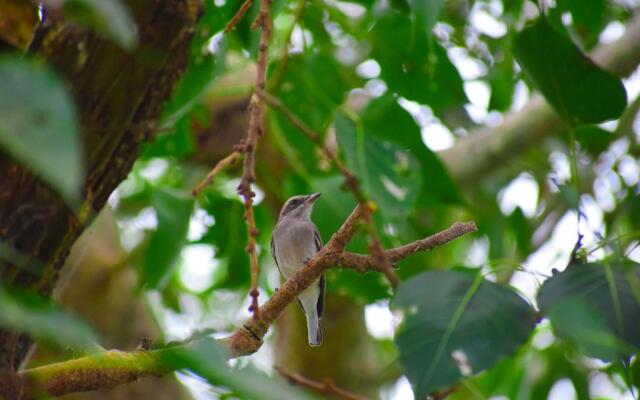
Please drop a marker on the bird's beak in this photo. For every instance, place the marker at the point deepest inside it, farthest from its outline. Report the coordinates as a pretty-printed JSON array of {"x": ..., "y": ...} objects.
[{"x": 312, "y": 198}]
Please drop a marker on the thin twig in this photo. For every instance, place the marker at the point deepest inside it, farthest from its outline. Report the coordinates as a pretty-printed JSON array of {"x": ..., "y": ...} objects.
[
  {"x": 249, "y": 145},
  {"x": 228, "y": 160},
  {"x": 366, "y": 263},
  {"x": 238, "y": 16},
  {"x": 325, "y": 388},
  {"x": 351, "y": 182}
]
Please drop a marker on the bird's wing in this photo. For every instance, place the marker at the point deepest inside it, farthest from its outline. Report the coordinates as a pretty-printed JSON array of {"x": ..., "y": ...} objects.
[
  {"x": 322, "y": 283},
  {"x": 273, "y": 253}
]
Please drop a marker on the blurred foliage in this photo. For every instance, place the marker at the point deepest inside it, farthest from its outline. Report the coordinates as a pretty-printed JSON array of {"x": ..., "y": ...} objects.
[
  {"x": 110, "y": 18},
  {"x": 25, "y": 312},
  {"x": 35, "y": 103},
  {"x": 377, "y": 80}
]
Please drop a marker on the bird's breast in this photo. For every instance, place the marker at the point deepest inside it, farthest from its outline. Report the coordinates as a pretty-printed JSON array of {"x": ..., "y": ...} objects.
[{"x": 294, "y": 243}]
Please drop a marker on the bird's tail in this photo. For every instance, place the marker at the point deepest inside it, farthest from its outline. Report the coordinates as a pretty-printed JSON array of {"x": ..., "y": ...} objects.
[{"x": 313, "y": 329}]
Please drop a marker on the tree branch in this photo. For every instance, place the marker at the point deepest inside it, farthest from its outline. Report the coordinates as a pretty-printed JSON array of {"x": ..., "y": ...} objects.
[
  {"x": 477, "y": 154},
  {"x": 256, "y": 129},
  {"x": 365, "y": 263},
  {"x": 238, "y": 16},
  {"x": 326, "y": 388},
  {"x": 228, "y": 160},
  {"x": 115, "y": 367}
]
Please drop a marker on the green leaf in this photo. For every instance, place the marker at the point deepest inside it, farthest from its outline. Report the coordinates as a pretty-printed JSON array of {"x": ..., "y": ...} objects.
[
  {"x": 173, "y": 210},
  {"x": 594, "y": 307},
  {"x": 208, "y": 360},
  {"x": 427, "y": 11},
  {"x": 38, "y": 125},
  {"x": 457, "y": 324},
  {"x": 25, "y": 312},
  {"x": 386, "y": 119},
  {"x": 589, "y": 17},
  {"x": 570, "y": 81},
  {"x": 593, "y": 139},
  {"x": 313, "y": 100},
  {"x": 388, "y": 174},
  {"x": 110, "y": 18},
  {"x": 414, "y": 65}
]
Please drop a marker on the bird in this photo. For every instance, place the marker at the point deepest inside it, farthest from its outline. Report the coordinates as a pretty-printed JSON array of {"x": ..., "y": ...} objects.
[{"x": 294, "y": 241}]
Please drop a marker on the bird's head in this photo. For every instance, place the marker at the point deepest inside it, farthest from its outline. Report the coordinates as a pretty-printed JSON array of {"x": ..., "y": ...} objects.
[{"x": 299, "y": 206}]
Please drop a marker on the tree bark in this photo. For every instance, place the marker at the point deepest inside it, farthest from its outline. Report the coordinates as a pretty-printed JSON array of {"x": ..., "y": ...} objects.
[{"x": 119, "y": 96}]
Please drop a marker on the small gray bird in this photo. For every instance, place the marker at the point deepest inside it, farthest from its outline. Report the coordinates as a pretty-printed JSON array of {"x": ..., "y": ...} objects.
[{"x": 295, "y": 240}]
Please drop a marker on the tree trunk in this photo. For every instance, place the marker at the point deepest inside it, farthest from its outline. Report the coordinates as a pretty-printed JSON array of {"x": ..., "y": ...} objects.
[{"x": 119, "y": 97}]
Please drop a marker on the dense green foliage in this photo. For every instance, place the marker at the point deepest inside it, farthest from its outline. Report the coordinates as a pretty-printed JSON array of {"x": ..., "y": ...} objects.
[{"x": 378, "y": 80}]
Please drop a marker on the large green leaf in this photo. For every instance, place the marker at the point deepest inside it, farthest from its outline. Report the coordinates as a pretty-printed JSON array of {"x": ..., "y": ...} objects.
[
  {"x": 570, "y": 81},
  {"x": 110, "y": 18},
  {"x": 455, "y": 324},
  {"x": 414, "y": 65},
  {"x": 386, "y": 119},
  {"x": 388, "y": 174},
  {"x": 38, "y": 124},
  {"x": 24, "y": 312},
  {"x": 173, "y": 210},
  {"x": 206, "y": 359},
  {"x": 594, "y": 306}
]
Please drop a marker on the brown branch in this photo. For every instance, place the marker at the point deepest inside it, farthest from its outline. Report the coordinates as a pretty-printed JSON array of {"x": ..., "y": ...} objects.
[
  {"x": 238, "y": 16},
  {"x": 249, "y": 145},
  {"x": 365, "y": 263},
  {"x": 248, "y": 338},
  {"x": 325, "y": 388},
  {"x": 228, "y": 160},
  {"x": 351, "y": 182}
]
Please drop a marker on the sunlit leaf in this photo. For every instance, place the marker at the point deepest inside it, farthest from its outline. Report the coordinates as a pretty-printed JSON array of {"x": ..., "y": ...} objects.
[
  {"x": 38, "y": 125},
  {"x": 457, "y": 324},
  {"x": 24, "y": 312},
  {"x": 388, "y": 174},
  {"x": 570, "y": 81},
  {"x": 386, "y": 119},
  {"x": 173, "y": 210},
  {"x": 594, "y": 306},
  {"x": 415, "y": 66},
  {"x": 110, "y": 18}
]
